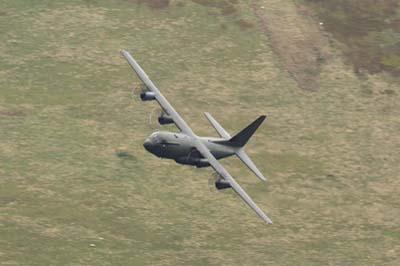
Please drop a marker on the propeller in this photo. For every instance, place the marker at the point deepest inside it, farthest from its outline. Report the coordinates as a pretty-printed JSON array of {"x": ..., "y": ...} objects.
[
  {"x": 153, "y": 118},
  {"x": 211, "y": 181},
  {"x": 159, "y": 117},
  {"x": 137, "y": 90}
]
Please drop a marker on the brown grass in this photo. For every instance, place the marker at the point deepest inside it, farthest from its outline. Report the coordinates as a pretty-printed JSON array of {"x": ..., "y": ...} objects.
[
  {"x": 365, "y": 30},
  {"x": 155, "y": 4},
  {"x": 227, "y": 7},
  {"x": 245, "y": 24},
  {"x": 296, "y": 39},
  {"x": 11, "y": 111},
  {"x": 73, "y": 169}
]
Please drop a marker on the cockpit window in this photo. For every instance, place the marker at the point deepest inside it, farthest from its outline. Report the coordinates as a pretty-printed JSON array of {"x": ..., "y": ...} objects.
[{"x": 155, "y": 137}]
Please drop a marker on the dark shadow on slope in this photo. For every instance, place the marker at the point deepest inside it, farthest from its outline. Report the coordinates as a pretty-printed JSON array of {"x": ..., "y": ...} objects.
[
  {"x": 367, "y": 30},
  {"x": 154, "y": 4},
  {"x": 125, "y": 156}
]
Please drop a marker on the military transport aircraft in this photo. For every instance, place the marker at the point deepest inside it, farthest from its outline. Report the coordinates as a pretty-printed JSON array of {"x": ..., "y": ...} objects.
[{"x": 188, "y": 148}]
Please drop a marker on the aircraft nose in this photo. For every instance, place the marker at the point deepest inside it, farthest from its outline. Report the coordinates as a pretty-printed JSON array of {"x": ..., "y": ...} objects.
[{"x": 147, "y": 144}]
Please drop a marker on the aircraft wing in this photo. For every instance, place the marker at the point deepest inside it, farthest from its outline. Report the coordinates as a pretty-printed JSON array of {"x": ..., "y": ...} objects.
[
  {"x": 227, "y": 177},
  {"x": 179, "y": 122}
]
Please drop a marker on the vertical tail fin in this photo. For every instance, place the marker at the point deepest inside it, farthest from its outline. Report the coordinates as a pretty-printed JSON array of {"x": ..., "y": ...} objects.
[{"x": 241, "y": 138}]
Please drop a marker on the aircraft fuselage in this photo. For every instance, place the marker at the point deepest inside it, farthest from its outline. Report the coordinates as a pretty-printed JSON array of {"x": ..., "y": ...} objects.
[{"x": 179, "y": 147}]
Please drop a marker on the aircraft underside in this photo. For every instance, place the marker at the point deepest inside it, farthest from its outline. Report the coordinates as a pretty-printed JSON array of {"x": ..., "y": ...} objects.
[{"x": 186, "y": 147}]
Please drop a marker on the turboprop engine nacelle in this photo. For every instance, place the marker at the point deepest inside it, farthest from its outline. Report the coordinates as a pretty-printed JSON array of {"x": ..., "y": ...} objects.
[
  {"x": 198, "y": 162},
  {"x": 164, "y": 119},
  {"x": 147, "y": 96},
  {"x": 222, "y": 184}
]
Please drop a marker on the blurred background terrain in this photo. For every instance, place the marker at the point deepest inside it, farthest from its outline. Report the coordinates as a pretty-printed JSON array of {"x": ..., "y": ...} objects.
[{"x": 77, "y": 187}]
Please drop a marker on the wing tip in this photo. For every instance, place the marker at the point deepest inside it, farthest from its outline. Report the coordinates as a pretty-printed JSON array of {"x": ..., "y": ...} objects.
[{"x": 125, "y": 53}]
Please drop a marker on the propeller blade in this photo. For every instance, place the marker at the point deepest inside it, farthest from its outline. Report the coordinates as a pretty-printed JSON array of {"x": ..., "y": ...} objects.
[
  {"x": 153, "y": 118},
  {"x": 137, "y": 90}
]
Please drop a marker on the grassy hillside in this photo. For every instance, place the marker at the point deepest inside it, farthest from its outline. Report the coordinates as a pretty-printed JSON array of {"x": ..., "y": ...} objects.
[
  {"x": 77, "y": 187},
  {"x": 368, "y": 31}
]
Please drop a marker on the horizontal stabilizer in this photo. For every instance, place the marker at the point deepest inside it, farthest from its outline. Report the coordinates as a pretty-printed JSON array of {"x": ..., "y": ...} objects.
[
  {"x": 221, "y": 131},
  {"x": 249, "y": 163}
]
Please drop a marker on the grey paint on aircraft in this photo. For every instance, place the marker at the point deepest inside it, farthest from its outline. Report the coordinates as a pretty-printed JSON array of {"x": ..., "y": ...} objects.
[
  {"x": 188, "y": 148},
  {"x": 180, "y": 147}
]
